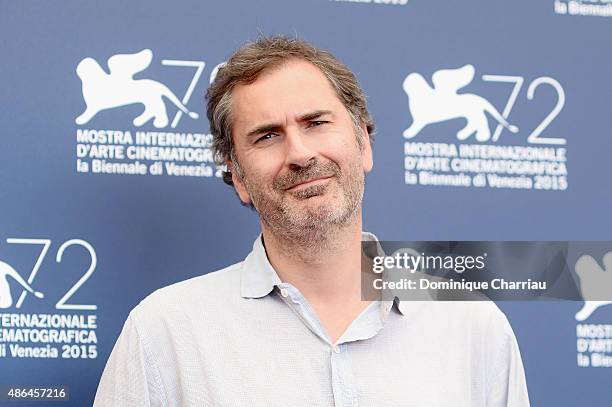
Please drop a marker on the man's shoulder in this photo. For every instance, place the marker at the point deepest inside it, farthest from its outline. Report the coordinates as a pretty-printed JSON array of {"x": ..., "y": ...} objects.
[
  {"x": 480, "y": 317},
  {"x": 489, "y": 322},
  {"x": 487, "y": 314},
  {"x": 194, "y": 295}
]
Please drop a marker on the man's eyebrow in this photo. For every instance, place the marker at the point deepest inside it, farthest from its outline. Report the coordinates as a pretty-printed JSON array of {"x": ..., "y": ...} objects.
[
  {"x": 264, "y": 128},
  {"x": 313, "y": 115},
  {"x": 272, "y": 127}
]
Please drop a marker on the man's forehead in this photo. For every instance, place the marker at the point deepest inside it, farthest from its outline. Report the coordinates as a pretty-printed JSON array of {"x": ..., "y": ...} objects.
[{"x": 290, "y": 90}]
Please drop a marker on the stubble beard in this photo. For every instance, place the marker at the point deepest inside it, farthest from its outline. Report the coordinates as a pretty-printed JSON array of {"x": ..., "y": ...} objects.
[{"x": 289, "y": 215}]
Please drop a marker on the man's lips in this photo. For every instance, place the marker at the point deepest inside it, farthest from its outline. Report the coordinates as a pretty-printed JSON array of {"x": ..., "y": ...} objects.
[{"x": 308, "y": 182}]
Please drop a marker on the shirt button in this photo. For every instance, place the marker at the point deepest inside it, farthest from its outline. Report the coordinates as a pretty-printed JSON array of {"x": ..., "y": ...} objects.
[
  {"x": 284, "y": 292},
  {"x": 337, "y": 349}
]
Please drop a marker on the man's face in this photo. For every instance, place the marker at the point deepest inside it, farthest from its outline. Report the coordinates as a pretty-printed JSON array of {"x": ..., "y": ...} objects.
[{"x": 296, "y": 144}]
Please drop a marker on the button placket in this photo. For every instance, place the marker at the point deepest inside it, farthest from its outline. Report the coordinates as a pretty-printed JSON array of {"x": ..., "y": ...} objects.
[{"x": 343, "y": 382}]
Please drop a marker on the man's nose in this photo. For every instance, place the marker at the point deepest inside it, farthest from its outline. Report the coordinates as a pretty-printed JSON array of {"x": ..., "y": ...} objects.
[{"x": 299, "y": 151}]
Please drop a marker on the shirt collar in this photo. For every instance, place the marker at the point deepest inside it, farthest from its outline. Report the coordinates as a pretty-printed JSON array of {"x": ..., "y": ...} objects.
[
  {"x": 373, "y": 248},
  {"x": 258, "y": 277}
]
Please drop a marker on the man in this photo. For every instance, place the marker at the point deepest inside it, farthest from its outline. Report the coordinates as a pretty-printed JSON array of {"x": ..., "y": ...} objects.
[{"x": 287, "y": 326}]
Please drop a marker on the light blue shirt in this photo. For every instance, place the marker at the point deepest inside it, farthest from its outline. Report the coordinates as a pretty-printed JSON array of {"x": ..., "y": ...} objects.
[{"x": 242, "y": 337}]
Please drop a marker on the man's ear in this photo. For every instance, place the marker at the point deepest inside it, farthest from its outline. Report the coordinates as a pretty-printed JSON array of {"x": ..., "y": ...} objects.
[
  {"x": 238, "y": 183},
  {"x": 366, "y": 148}
]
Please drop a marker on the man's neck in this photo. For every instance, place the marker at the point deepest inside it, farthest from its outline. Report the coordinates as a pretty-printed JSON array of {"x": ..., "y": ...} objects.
[{"x": 324, "y": 265}]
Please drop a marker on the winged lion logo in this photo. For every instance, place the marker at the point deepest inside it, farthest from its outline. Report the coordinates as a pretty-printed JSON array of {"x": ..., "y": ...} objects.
[
  {"x": 593, "y": 278},
  {"x": 117, "y": 88},
  {"x": 442, "y": 102}
]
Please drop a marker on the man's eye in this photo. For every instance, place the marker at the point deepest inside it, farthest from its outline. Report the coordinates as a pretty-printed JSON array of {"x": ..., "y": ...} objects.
[
  {"x": 316, "y": 123},
  {"x": 267, "y": 136}
]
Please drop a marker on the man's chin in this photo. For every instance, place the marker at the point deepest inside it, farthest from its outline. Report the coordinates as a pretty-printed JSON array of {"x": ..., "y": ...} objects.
[{"x": 315, "y": 213}]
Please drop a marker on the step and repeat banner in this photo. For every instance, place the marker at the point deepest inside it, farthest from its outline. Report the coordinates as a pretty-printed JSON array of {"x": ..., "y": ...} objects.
[{"x": 493, "y": 124}]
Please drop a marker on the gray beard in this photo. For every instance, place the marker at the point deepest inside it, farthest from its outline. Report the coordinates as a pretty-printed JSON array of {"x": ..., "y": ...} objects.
[{"x": 312, "y": 230}]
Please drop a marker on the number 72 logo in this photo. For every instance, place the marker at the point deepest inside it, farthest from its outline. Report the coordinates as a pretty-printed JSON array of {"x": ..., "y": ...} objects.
[
  {"x": 534, "y": 136},
  {"x": 44, "y": 248},
  {"x": 444, "y": 101}
]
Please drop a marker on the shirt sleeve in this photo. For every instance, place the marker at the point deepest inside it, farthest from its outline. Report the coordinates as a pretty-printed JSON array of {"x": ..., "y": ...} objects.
[
  {"x": 129, "y": 378},
  {"x": 507, "y": 386}
]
